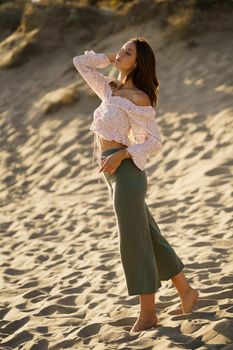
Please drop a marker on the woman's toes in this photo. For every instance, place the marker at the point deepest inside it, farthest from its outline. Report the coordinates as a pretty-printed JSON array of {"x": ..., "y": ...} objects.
[
  {"x": 188, "y": 300},
  {"x": 141, "y": 325}
]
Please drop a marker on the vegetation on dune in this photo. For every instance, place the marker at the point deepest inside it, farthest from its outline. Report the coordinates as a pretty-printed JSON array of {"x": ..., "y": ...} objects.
[
  {"x": 54, "y": 19},
  {"x": 11, "y": 11},
  {"x": 10, "y": 15}
]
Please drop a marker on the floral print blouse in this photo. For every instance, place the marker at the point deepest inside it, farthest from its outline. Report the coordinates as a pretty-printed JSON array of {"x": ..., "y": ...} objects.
[{"x": 117, "y": 118}]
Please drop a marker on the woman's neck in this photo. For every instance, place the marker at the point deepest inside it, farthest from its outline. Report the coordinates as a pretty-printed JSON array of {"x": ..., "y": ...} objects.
[{"x": 121, "y": 78}]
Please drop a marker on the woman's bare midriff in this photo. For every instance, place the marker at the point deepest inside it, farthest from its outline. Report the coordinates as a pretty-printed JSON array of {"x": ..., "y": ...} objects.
[{"x": 106, "y": 144}]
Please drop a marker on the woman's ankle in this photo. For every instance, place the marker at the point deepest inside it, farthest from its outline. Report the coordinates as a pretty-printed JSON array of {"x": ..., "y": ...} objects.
[
  {"x": 185, "y": 291},
  {"x": 146, "y": 315}
]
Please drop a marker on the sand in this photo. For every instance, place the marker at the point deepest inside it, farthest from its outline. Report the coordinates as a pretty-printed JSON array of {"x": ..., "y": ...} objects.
[{"x": 62, "y": 282}]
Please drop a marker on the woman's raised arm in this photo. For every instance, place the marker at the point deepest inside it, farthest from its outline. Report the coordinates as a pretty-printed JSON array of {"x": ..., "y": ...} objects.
[{"x": 86, "y": 65}]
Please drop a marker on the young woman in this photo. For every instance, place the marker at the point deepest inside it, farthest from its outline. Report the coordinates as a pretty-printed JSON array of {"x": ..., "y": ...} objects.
[{"x": 127, "y": 133}]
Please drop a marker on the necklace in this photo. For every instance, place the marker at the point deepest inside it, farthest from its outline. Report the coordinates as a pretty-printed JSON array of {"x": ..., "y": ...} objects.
[
  {"x": 126, "y": 88},
  {"x": 123, "y": 89}
]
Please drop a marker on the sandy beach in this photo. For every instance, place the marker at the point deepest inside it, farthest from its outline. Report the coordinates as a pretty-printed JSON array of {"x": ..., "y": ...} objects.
[{"x": 62, "y": 282}]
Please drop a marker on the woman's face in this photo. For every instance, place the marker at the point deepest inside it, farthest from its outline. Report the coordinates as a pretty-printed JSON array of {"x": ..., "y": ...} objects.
[{"x": 126, "y": 57}]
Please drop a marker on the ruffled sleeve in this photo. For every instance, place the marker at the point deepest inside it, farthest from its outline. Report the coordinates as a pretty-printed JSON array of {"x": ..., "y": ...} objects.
[
  {"x": 145, "y": 132},
  {"x": 86, "y": 65}
]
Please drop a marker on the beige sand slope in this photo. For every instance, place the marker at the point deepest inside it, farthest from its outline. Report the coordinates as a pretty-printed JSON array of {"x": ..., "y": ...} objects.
[{"x": 62, "y": 283}]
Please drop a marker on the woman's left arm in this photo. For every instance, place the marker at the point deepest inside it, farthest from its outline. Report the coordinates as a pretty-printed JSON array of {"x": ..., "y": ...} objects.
[
  {"x": 141, "y": 151},
  {"x": 138, "y": 152},
  {"x": 146, "y": 134}
]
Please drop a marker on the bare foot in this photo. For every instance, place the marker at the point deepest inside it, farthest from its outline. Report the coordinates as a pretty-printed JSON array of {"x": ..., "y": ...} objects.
[
  {"x": 142, "y": 324},
  {"x": 188, "y": 300}
]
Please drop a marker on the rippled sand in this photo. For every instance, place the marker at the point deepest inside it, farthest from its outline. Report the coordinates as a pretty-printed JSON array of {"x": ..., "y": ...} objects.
[{"x": 62, "y": 280}]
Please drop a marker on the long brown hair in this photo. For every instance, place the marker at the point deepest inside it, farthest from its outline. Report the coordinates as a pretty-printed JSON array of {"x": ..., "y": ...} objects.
[{"x": 144, "y": 74}]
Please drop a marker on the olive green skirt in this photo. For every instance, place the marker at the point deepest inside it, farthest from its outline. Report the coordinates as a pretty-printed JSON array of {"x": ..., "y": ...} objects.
[{"x": 147, "y": 257}]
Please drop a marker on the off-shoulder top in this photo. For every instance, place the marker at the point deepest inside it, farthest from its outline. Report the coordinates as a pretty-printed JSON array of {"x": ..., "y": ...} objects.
[{"x": 117, "y": 118}]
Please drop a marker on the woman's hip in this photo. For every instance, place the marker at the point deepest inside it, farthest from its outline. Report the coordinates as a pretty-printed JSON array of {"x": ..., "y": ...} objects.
[{"x": 127, "y": 175}]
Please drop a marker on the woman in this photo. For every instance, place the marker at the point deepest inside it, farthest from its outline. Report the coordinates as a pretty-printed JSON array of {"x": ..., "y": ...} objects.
[{"x": 127, "y": 133}]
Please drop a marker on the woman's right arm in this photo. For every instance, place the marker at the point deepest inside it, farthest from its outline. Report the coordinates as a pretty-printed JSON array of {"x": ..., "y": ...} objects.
[{"x": 86, "y": 65}]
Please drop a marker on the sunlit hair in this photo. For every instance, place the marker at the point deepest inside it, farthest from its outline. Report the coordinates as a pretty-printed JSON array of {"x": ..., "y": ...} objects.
[{"x": 144, "y": 74}]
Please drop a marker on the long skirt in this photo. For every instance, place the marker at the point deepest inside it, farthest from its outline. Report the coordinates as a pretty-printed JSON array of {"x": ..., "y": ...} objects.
[{"x": 147, "y": 257}]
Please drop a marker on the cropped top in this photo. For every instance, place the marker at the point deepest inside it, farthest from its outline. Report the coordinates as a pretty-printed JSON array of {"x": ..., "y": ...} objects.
[{"x": 117, "y": 118}]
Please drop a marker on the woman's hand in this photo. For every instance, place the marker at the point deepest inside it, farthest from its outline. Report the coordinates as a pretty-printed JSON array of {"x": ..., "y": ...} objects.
[
  {"x": 112, "y": 162},
  {"x": 111, "y": 56}
]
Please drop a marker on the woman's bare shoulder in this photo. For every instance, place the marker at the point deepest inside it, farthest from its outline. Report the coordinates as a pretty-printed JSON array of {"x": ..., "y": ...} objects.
[
  {"x": 135, "y": 95},
  {"x": 141, "y": 98}
]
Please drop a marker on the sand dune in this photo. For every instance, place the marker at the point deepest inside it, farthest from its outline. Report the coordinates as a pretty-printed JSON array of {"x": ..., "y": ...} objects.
[{"x": 62, "y": 280}]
